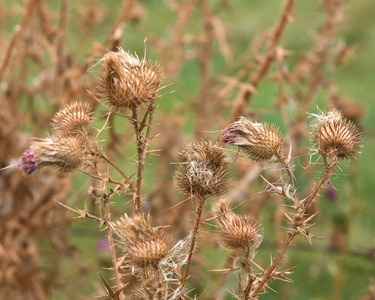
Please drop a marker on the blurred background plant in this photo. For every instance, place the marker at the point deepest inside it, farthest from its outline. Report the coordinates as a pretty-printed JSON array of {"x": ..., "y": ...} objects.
[{"x": 269, "y": 62}]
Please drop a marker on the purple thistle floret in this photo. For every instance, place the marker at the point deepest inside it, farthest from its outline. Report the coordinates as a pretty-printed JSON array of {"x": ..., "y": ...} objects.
[
  {"x": 28, "y": 163},
  {"x": 102, "y": 245},
  {"x": 228, "y": 135}
]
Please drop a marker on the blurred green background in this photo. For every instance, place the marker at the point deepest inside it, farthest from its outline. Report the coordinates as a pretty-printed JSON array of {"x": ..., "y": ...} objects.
[{"x": 319, "y": 274}]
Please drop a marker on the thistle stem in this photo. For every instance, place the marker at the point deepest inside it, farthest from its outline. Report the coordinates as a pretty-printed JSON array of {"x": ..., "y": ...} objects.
[
  {"x": 142, "y": 143},
  {"x": 267, "y": 275},
  {"x": 288, "y": 169},
  {"x": 197, "y": 220}
]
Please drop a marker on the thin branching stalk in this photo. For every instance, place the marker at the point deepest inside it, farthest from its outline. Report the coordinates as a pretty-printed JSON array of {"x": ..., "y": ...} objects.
[
  {"x": 288, "y": 169},
  {"x": 142, "y": 143},
  {"x": 194, "y": 233},
  {"x": 327, "y": 172},
  {"x": 127, "y": 179},
  {"x": 204, "y": 62},
  {"x": 298, "y": 221},
  {"x": 269, "y": 56},
  {"x": 250, "y": 278}
]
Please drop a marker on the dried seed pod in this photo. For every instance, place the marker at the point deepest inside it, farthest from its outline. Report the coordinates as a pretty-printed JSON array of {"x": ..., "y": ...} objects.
[
  {"x": 145, "y": 246},
  {"x": 332, "y": 133},
  {"x": 259, "y": 141},
  {"x": 148, "y": 253},
  {"x": 73, "y": 119},
  {"x": 127, "y": 82},
  {"x": 203, "y": 171},
  {"x": 62, "y": 153},
  {"x": 236, "y": 232},
  {"x": 135, "y": 228}
]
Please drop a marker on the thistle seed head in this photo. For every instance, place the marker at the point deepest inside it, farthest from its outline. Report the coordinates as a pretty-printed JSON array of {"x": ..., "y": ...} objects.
[
  {"x": 127, "y": 82},
  {"x": 73, "y": 119},
  {"x": 203, "y": 170},
  {"x": 236, "y": 232},
  {"x": 145, "y": 246},
  {"x": 259, "y": 141},
  {"x": 332, "y": 133},
  {"x": 136, "y": 228},
  {"x": 62, "y": 153},
  {"x": 148, "y": 253}
]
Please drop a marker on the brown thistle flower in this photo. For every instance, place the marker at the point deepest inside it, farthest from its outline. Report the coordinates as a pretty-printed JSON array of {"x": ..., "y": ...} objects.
[
  {"x": 259, "y": 141},
  {"x": 127, "y": 82},
  {"x": 62, "y": 153},
  {"x": 145, "y": 246},
  {"x": 332, "y": 133},
  {"x": 203, "y": 170},
  {"x": 236, "y": 232},
  {"x": 73, "y": 119},
  {"x": 148, "y": 253}
]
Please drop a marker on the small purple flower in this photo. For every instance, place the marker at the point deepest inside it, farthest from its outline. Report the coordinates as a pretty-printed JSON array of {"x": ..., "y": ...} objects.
[
  {"x": 228, "y": 135},
  {"x": 102, "y": 245},
  {"x": 330, "y": 194},
  {"x": 28, "y": 163}
]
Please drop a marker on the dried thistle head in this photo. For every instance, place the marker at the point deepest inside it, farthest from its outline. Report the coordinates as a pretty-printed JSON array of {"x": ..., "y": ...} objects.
[
  {"x": 127, "y": 82},
  {"x": 334, "y": 134},
  {"x": 148, "y": 253},
  {"x": 62, "y": 153},
  {"x": 73, "y": 119},
  {"x": 236, "y": 232},
  {"x": 135, "y": 228},
  {"x": 203, "y": 170},
  {"x": 259, "y": 141},
  {"x": 145, "y": 246}
]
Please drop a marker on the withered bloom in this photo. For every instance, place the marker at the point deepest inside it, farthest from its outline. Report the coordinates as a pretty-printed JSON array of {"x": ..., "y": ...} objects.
[
  {"x": 73, "y": 119},
  {"x": 259, "y": 141},
  {"x": 148, "y": 253},
  {"x": 203, "y": 170},
  {"x": 236, "y": 232},
  {"x": 333, "y": 134},
  {"x": 127, "y": 82},
  {"x": 62, "y": 153},
  {"x": 145, "y": 246}
]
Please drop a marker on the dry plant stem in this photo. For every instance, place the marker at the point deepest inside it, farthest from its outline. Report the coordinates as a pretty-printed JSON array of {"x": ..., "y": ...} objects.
[
  {"x": 61, "y": 36},
  {"x": 142, "y": 142},
  {"x": 288, "y": 169},
  {"x": 327, "y": 172},
  {"x": 327, "y": 32},
  {"x": 267, "y": 275},
  {"x": 173, "y": 60},
  {"x": 250, "y": 278},
  {"x": 238, "y": 108},
  {"x": 194, "y": 233},
  {"x": 111, "y": 245},
  {"x": 115, "y": 34},
  {"x": 204, "y": 61},
  {"x": 119, "y": 170}
]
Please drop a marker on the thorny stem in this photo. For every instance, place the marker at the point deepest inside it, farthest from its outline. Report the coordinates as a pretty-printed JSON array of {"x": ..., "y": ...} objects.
[
  {"x": 294, "y": 231},
  {"x": 106, "y": 220},
  {"x": 142, "y": 142},
  {"x": 112, "y": 247},
  {"x": 327, "y": 172},
  {"x": 267, "y": 59},
  {"x": 197, "y": 220},
  {"x": 119, "y": 170},
  {"x": 250, "y": 278},
  {"x": 267, "y": 275},
  {"x": 288, "y": 169}
]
